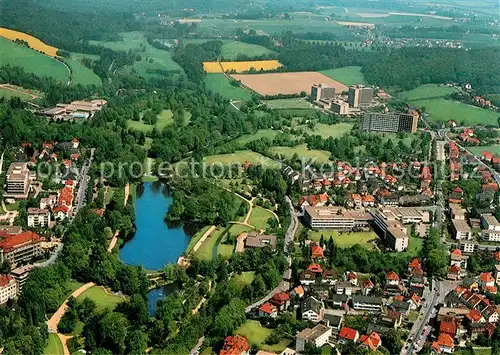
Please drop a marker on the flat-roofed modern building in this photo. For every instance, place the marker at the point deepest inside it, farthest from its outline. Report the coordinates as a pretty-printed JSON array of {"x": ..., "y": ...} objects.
[
  {"x": 317, "y": 336},
  {"x": 334, "y": 217},
  {"x": 396, "y": 238},
  {"x": 322, "y": 91},
  {"x": 491, "y": 228},
  {"x": 17, "y": 181},
  {"x": 340, "y": 107},
  {"x": 360, "y": 96},
  {"x": 38, "y": 217},
  {"x": 390, "y": 122},
  {"x": 461, "y": 229},
  {"x": 21, "y": 275}
]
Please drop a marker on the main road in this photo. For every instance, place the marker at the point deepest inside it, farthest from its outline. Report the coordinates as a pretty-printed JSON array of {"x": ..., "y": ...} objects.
[{"x": 82, "y": 184}]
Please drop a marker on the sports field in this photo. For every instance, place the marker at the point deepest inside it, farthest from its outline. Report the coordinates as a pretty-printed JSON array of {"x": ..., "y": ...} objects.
[
  {"x": 494, "y": 149},
  {"x": 219, "y": 84},
  {"x": 346, "y": 75},
  {"x": 345, "y": 240},
  {"x": 287, "y": 83},
  {"x": 288, "y": 103},
  {"x": 240, "y": 157},
  {"x": 241, "y": 67},
  {"x": 33, "y": 42},
  {"x": 33, "y": 62},
  {"x": 54, "y": 346},
  {"x": 102, "y": 299},
  {"x": 320, "y": 156},
  {"x": 232, "y": 50}
]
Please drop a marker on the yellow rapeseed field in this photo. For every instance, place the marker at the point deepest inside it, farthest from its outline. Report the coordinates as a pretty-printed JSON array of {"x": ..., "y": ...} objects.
[
  {"x": 33, "y": 42},
  {"x": 240, "y": 67}
]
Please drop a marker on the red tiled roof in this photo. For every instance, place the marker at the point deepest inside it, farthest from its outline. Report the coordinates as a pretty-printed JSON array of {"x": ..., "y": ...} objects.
[
  {"x": 458, "y": 189},
  {"x": 391, "y": 275},
  {"x": 448, "y": 328},
  {"x": 317, "y": 251},
  {"x": 280, "y": 298},
  {"x": 486, "y": 277},
  {"x": 315, "y": 268},
  {"x": 348, "y": 333},
  {"x": 399, "y": 298},
  {"x": 268, "y": 308},
  {"x": 456, "y": 253},
  {"x": 474, "y": 315},
  {"x": 69, "y": 182},
  {"x": 12, "y": 241},
  {"x": 234, "y": 345},
  {"x": 372, "y": 341},
  {"x": 415, "y": 299},
  {"x": 445, "y": 340},
  {"x": 496, "y": 255},
  {"x": 368, "y": 284},
  {"x": 414, "y": 264},
  {"x": 352, "y": 276},
  {"x": 454, "y": 269},
  {"x": 61, "y": 208},
  {"x": 5, "y": 279},
  {"x": 299, "y": 290}
]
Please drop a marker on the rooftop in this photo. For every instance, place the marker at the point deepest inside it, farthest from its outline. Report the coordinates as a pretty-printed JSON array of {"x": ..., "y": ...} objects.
[
  {"x": 314, "y": 333},
  {"x": 336, "y": 212}
]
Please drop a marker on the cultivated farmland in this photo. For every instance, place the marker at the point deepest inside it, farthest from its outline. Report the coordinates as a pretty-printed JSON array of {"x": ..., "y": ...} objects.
[
  {"x": 240, "y": 67},
  {"x": 286, "y": 83},
  {"x": 33, "y": 42},
  {"x": 31, "y": 61}
]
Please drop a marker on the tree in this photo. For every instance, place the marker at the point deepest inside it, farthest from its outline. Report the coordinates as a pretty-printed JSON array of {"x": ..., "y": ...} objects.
[
  {"x": 68, "y": 321},
  {"x": 113, "y": 330},
  {"x": 392, "y": 341},
  {"x": 136, "y": 342}
]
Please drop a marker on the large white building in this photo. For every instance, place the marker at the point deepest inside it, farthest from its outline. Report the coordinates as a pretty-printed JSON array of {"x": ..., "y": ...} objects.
[
  {"x": 317, "y": 336},
  {"x": 461, "y": 229},
  {"x": 491, "y": 228},
  {"x": 334, "y": 217},
  {"x": 8, "y": 288},
  {"x": 38, "y": 217}
]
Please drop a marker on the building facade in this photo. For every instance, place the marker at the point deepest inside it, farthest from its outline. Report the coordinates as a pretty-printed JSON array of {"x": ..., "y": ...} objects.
[
  {"x": 8, "y": 288},
  {"x": 17, "y": 181},
  {"x": 340, "y": 107},
  {"x": 337, "y": 218},
  {"x": 38, "y": 217},
  {"x": 360, "y": 96},
  {"x": 20, "y": 248},
  {"x": 322, "y": 91},
  {"x": 390, "y": 122},
  {"x": 461, "y": 229}
]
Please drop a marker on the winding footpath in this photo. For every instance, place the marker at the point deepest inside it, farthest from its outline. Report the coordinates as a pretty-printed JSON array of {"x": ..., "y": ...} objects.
[{"x": 53, "y": 322}]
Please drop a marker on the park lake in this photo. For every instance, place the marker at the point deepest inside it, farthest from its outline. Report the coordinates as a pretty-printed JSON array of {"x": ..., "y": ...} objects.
[{"x": 154, "y": 243}]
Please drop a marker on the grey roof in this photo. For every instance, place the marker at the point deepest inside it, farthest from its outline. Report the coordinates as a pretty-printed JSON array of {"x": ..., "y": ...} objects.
[
  {"x": 400, "y": 305},
  {"x": 367, "y": 299},
  {"x": 312, "y": 304},
  {"x": 340, "y": 298},
  {"x": 333, "y": 320}
]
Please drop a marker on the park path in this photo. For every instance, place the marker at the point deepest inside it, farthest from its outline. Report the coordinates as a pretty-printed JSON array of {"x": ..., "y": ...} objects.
[
  {"x": 127, "y": 193},
  {"x": 202, "y": 239},
  {"x": 53, "y": 322},
  {"x": 113, "y": 241}
]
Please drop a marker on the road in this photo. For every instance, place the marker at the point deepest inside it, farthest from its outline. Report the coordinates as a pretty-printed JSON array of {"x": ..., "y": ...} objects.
[{"x": 82, "y": 184}]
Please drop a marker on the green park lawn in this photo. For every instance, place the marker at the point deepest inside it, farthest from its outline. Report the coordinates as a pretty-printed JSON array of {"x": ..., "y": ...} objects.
[
  {"x": 329, "y": 130},
  {"x": 164, "y": 119},
  {"x": 82, "y": 75},
  {"x": 257, "y": 334},
  {"x": 240, "y": 157},
  {"x": 195, "y": 238},
  {"x": 31, "y": 61},
  {"x": 237, "y": 229},
  {"x": 243, "y": 279},
  {"x": 439, "y": 108},
  {"x": 345, "y": 240},
  {"x": 261, "y": 133},
  {"x": 321, "y": 156},
  {"x": 494, "y": 149},
  {"x": 54, "y": 347},
  {"x": 287, "y": 103},
  {"x": 259, "y": 217},
  {"x": 346, "y": 75},
  {"x": 206, "y": 250},
  {"x": 219, "y": 84},
  {"x": 415, "y": 245},
  {"x": 230, "y": 51},
  {"x": 101, "y": 298}
]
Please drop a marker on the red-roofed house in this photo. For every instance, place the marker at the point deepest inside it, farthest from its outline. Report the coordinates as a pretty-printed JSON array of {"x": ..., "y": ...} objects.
[
  {"x": 453, "y": 272},
  {"x": 281, "y": 300},
  {"x": 414, "y": 264},
  {"x": 486, "y": 156},
  {"x": 367, "y": 287},
  {"x": 392, "y": 279},
  {"x": 316, "y": 268},
  {"x": 372, "y": 341},
  {"x": 235, "y": 345},
  {"x": 474, "y": 316},
  {"x": 368, "y": 200},
  {"x": 18, "y": 248},
  {"x": 348, "y": 334},
  {"x": 8, "y": 288},
  {"x": 317, "y": 252},
  {"x": 352, "y": 277},
  {"x": 415, "y": 302},
  {"x": 487, "y": 282},
  {"x": 448, "y": 328},
  {"x": 444, "y": 344},
  {"x": 268, "y": 310},
  {"x": 61, "y": 212},
  {"x": 298, "y": 291}
]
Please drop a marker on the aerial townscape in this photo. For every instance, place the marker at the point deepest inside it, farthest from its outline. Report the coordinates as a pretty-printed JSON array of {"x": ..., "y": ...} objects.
[{"x": 237, "y": 177}]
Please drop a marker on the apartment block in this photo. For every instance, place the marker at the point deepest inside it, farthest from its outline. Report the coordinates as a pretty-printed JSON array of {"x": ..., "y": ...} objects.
[
  {"x": 317, "y": 336},
  {"x": 17, "y": 181},
  {"x": 38, "y": 217},
  {"x": 334, "y": 217},
  {"x": 20, "y": 248},
  {"x": 322, "y": 91},
  {"x": 8, "y": 288},
  {"x": 340, "y": 107},
  {"x": 21, "y": 274},
  {"x": 461, "y": 229},
  {"x": 390, "y": 122},
  {"x": 491, "y": 228},
  {"x": 360, "y": 96}
]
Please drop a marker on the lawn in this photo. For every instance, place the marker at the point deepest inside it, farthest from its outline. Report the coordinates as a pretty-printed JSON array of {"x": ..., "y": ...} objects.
[
  {"x": 7, "y": 93},
  {"x": 415, "y": 245},
  {"x": 257, "y": 334},
  {"x": 328, "y": 130},
  {"x": 287, "y": 103},
  {"x": 240, "y": 157},
  {"x": 261, "y": 133},
  {"x": 209, "y": 246},
  {"x": 231, "y": 50},
  {"x": 194, "y": 239},
  {"x": 259, "y": 216},
  {"x": 101, "y": 298},
  {"x": 346, "y": 75},
  {"x": 344, "y": 240},
  {"x": 219, "y": 84},
  {"x": 164, "y": 119},
  {"x": 243, "y": 279},
  {"x": 439, "y": 108},
  {"x": 54, "y": 347},
  {"x": 494, "y": 149},
  {"x": 80, "y": 74},
  {"x": 482, "y": 351},
  {"x": 152, "y": 60},
  {"x": 237, "y": 229},
  {"x": 31, "y": 61},
  {"x": 320, "y": 156}
]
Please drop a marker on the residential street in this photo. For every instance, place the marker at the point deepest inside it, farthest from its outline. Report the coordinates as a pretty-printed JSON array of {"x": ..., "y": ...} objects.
[{"x": 83, "y": 183}]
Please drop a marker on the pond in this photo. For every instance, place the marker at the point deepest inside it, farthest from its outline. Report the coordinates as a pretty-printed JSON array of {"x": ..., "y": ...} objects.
[{"x": 158, "y": 294}]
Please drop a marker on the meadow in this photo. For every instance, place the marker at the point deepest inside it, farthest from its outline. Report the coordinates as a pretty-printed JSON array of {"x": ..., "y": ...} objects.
[
  {"x": 102, "y": 299},
  {"x": 9, "y": 93},
  {"x": 54, "y": 346},
  {"x": 240, "y": 157},
  {"x": 219, "y": 84},
  {"x": 164, "y": 119},
  {"x": 328, "y": 130},
  {"x": 259, "y": 217},
  {"x": 33, "y": 42},
  {"x": 494, "y": 149},
  {"x": 439, "y": 108},
  {"x": 288, "y": 103},
  {"x": 257, "y": 335},
  {"x": 346, "y": 75},
  {"x": 151, "y": 58},
  {"x": 231, "y": 51},
  {"x": 243, "y": 279},
  {"x": 241, "y": 67},
  {"x": 345, "y": 240},
  {"x": 31, "y": 61},
  {"x": 82, "y": 75},
  {"x": 207, "y": 248},
  {"x": 261, "y": 133},
  {"x": 320, "y": 156}
]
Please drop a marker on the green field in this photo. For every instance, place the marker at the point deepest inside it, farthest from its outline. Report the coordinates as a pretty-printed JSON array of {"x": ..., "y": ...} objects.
[
  {"x": 54, "y": 347},
  {"x": 237, "y": 229},
  {"x": 4, "y": 92},
  {"x": 432, "y": 98},
  {"x": 345, "y": 240},
  {"x": 259, "y": 216},
  {"x": 494, "y": 149},
  {"x": 231, "y": 50},
  {"x": 288, "y": 103},
  {"x": 321, "y": 156},
  {"x": 82, "y": 75},
  {"x": 31, "y": 61},
  {"x": 328, "y": 130},
  {"x": 101, "y": 298},
  {"x": 243, "y": 279},
  {"x": 415, "y": 245},
  {"x": 240, "y": 157},
  {"x": 347, "y": 75},
  {"x": 209, "y": 246},
  {"x": 219, "y": 84},
  {"x": 257, "y": 334},
  {"x": 261, "y": 133},
  {"x": 164, "y": 119},
  {"x": 194, "y": 239},
  {"x": 151, "y": 58}
]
